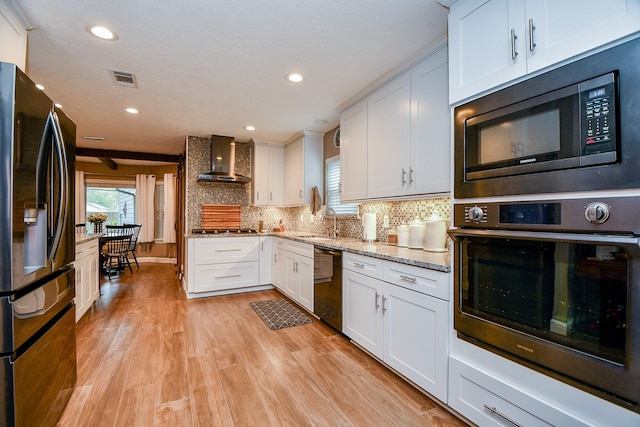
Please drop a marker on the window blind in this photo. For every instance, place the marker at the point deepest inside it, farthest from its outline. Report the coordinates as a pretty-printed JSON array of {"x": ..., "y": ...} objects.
[{"x": 333, "y": 189}]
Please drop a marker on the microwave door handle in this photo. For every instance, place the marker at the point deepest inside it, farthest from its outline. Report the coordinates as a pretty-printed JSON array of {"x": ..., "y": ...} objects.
[{"x": 605, "y": 239}]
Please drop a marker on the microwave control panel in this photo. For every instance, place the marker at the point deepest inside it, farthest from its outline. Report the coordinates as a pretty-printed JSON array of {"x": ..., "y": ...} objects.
[{"x": 598, "y": 110}]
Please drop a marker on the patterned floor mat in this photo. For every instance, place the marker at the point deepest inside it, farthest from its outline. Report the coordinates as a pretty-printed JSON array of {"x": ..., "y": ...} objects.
[{"x": 279, "y": 313}]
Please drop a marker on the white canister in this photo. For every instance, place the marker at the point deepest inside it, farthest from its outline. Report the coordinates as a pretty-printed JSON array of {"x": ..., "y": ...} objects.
[
  {"x": 435, "y": 239},
  {"x": 416, "y": 234},
  {"x": 403, "y": 235}
]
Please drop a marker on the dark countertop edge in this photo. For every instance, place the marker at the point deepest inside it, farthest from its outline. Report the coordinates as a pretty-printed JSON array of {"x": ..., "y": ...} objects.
[{"x": 409, "y": 256}]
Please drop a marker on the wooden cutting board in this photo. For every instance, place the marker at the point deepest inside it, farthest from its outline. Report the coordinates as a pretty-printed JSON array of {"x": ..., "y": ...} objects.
[{"x": 220, "y": 217}]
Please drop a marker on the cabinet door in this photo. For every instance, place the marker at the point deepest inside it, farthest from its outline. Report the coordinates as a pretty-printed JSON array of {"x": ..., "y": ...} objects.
[
  {"x": 294, "y": 173},
  {"x": 415, "y": 334},
  {"x": 481, "y": 54},
  {"x": 388, "y": 123},
  {"x": 266, "y": 256},
  {"x": 94, "y": 272},
  {"x": 362, "y": 318},
  {"x": 353, "y": 153},
  {"x": 13, "y": 38},
  {"x": 290, "y": 275},
  {"x": 80, "y": 289},
  {"x": 279, "y": 269},
  {"x": 430, "y": 126},
  {"x": 261, "y": 175},
  {"x": 567, "y": 28},
  {"x": 304, "y": 269},
  {"x": 276, "y": 176}
]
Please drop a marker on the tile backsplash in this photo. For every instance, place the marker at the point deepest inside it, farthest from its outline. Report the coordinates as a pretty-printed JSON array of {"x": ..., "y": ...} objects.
[{"x": 293, "y": 218}]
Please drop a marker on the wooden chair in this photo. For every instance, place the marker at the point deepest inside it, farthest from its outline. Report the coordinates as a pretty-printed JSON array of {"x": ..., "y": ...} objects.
[
  {"x": 134, "y": 240},
  {"x": 117, "y": 247}
]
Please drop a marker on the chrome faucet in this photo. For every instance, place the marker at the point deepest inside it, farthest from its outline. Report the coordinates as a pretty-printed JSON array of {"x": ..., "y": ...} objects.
[{"x": 335, "y": 217}]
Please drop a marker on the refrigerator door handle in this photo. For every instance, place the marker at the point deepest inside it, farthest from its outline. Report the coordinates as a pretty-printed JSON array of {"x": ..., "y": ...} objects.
[{"x": 63, "y": 206}]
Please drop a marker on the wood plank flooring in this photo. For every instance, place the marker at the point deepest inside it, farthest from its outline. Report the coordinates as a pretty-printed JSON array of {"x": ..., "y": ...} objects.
[{"x": 149, "y": 357}]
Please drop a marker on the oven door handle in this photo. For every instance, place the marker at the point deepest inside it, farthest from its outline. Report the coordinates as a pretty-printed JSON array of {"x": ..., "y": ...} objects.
[{"x": 605, "y": 239}]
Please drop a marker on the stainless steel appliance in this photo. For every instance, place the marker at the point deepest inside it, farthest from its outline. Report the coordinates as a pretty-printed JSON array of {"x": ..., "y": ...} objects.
[
  {"x": 327, "y": 286},
  {"x": 554, "y": 285},
  {"x": 223, "y": 162},
  {"x": 37, "y": 247},
  {"x": 576, "y": 128}
]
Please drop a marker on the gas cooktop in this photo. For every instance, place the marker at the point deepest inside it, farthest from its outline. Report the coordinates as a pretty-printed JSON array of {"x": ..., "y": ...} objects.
[{"x": 229, "y": 231}]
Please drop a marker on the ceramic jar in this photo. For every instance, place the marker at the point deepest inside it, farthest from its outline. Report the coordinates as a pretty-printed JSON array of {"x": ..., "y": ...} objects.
[
  {"x": 403, "y": 236},
  {"x": 417, "y": 230},
  {"x": 436, "y": 234}
]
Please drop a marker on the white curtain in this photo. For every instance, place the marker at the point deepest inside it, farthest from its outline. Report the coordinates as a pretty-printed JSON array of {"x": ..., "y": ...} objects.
[
  {"x": 145, "y": 207},
  {"x": 168, "y": 226},
  {"x": 81, "y": 199}
]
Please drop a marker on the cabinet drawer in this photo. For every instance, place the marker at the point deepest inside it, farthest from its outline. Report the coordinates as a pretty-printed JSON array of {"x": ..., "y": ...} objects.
[
  {"x": 488, "y": 401},
  {"x": 423, "y": 280},
  {"x": 304, "y": 249},
  {"x": 224, "y": 276},
  {"x": 372, "y": 267},
  {"x": 221, "y": 250}
]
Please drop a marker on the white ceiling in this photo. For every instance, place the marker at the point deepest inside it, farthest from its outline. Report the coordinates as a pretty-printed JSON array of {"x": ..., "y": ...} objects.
[{"x": 212, "y": 66}]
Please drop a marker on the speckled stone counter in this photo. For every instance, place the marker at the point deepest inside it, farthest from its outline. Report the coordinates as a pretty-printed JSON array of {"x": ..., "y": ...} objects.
[
  {"x": 439, "y": 261},
  {"x": 86, "y": 237}
]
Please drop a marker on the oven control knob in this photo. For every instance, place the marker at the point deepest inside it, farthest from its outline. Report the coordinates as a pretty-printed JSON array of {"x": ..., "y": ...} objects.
[
  {"x": 475, "y": 214},
  {"x": 596, "y": 212}
]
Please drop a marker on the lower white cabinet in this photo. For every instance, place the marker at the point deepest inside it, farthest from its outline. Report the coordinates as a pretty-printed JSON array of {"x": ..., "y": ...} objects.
[
  {"x": 266, "y": 255},
  {"x": 406, "y": 329},
  {"x": 488, "y": 401},
  {"x": 293, "y": 264},
  {"x": 222, "y": 264},
  {"x": 87, "y": 266}
]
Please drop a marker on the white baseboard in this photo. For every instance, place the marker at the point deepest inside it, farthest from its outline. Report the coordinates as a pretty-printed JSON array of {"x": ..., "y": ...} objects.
[{"x": 159, "y": 260}]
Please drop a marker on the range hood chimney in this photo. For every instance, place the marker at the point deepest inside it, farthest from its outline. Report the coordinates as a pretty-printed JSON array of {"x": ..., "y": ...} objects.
[{"x": 223, "y": 162}]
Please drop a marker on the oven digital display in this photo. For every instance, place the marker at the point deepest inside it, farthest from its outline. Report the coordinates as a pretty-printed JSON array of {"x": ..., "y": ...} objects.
[{"x": 531, "y": 213}]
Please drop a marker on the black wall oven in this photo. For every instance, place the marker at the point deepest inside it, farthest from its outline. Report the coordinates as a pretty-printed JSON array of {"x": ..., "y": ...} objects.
[
  {"x": 575, "y": 128},
  {"x": 554, "y": 285}
]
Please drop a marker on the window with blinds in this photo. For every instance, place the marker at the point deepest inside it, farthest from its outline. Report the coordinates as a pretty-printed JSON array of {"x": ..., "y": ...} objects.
[{"x": 332, "y": 175}]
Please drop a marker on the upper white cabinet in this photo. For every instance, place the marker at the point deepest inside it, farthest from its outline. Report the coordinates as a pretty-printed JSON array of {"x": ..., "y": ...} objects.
[
  {"x": 396, "y": 142},
  {"x": 302, "y": 168},
  {"x": 492, "y": 42},
  {"x": 13, "y": 38},
  {"x": 353, "y": 152},
  {"x": 268, "y": 175}
]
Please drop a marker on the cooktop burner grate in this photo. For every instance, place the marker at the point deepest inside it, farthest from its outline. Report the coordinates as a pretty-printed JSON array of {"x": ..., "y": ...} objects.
[{"x": 229, "y": 231}]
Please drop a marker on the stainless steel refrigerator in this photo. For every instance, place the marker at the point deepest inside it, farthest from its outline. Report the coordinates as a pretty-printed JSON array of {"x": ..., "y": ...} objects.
[{"x": 37, "y": 248}]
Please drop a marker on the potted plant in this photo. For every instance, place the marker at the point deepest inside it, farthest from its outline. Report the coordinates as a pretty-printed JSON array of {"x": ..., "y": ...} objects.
[{"x": 97, "y": 219}]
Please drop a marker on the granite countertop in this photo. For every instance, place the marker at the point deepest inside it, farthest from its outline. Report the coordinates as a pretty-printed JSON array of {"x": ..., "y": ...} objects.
[
  {"x": 85, "y": 237},
  {"x": 431, "y": 260}
]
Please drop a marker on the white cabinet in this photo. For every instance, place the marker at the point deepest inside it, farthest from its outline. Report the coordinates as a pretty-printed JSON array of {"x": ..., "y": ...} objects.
[
  {"x": 388, "y": 127},
  {"x": 87, "y": 265},
  {"x": 488, "y": 401},
  {"x": 396, "y": 142},
  {"x": 266, "y": 256},
  {"x": 303, "y": 168},
  {"x": 278, "y": 269},
  {"x": 13, "y": 38},
  {"x": 402, "y": 325},
  {"x": 294, "y": 271},
  {"x": 353, "y": 153},
  {"x": 268, "y": 175},
  {"x": 492, "y": 42},
  {"x": 222, "y": 264}
]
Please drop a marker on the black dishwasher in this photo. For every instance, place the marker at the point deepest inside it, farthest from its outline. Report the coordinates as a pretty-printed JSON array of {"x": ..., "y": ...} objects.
[{"x": 327, "y": 286}]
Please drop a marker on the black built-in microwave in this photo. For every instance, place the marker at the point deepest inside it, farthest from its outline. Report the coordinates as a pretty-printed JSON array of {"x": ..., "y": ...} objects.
[{"x": 575, "y": 128}]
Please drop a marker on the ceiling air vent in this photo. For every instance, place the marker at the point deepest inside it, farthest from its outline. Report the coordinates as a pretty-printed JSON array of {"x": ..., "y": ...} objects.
[{"x": 124, "y": 78}]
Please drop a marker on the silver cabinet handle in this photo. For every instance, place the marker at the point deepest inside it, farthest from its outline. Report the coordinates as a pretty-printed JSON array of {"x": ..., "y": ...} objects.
[
  {"x": 228, "y": 250},
  {"x": 377, "y": 298},
  {"x": 532, "y": 27},
  {"x": 257, "y": 195},
  {"x": 513, "y": 44},
  {"x": 358, "y": 264},
  {"x": 261, "y": 246},
  {"x": 275, "y": 257},
  {"x": 493, "y": 410},
  {"x": 408, "y": 278},
  {"x": 228, "y": 277},
  {"x": 411, "y": 171},
  {"x": 270, "y": 196},
  {"x": 404, "y": 174},
  {"x": 340, "y": 187},
  {"x": 301, "y": 194},
  {"x": 383, "y": 304}
]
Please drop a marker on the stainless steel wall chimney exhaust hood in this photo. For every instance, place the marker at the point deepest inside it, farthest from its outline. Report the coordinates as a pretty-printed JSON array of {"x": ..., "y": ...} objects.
[{"x": 223, "y": 162}]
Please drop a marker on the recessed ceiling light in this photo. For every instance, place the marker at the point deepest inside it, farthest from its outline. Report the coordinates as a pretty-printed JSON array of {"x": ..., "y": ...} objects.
[
  {"x": 39, "y": 86},
  {"x": 294, "y": 77},
  {"x": 94, "y": 138},
  {"x": 249, "y": 127},
  {"x": 58, "y": 105},
  {"x": 320, "y": 121},
  {"x": 102, "y": 32},
  {"x": 131, "y": 110}
]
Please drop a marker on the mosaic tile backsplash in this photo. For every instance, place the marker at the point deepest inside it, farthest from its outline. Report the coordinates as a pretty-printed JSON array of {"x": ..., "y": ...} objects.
[{"x": 293, "y": 218}]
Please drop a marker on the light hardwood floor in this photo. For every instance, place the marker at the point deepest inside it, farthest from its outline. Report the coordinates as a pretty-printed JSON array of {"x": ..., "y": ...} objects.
[{"x": 149, "y": 357}]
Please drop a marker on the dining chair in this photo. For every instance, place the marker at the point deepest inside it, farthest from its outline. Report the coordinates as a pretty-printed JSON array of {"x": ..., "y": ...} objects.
[
  {"x": 134, "y": 241},
  {"x": 115, "y": 246}
]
